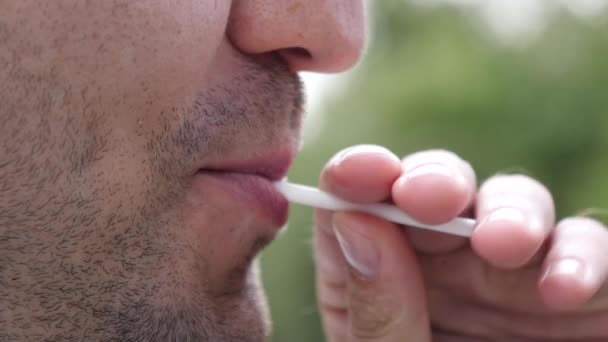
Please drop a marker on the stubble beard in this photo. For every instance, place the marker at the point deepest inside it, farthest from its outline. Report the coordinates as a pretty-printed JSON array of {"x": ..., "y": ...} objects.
[{"x": 87, "y": 258}]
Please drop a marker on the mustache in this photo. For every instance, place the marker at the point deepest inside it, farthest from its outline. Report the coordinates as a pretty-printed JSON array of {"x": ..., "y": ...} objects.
[{"x": 249, "y": 107}]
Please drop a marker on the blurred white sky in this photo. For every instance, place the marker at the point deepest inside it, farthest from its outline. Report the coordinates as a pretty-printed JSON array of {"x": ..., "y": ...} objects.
[
  {"x": 511, "y": 20},
  {"x": 519, "y": 18}
]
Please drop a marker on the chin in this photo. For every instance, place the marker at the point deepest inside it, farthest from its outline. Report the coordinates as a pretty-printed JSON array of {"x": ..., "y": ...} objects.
[
  {"x": 244, "y": 315},
  {"x": 196, "y": 315},
  {"x": 252, "y": 309}
]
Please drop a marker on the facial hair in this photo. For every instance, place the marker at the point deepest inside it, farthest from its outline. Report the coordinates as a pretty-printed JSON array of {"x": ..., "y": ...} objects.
[{"x": 87, "y": 254}]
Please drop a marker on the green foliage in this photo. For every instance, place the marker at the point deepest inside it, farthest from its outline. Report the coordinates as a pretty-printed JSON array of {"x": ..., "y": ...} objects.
[{"x": 435, "y": 78}]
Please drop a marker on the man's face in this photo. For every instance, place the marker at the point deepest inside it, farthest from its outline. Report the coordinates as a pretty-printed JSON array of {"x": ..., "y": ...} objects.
[{"x": 138, "y": 142}]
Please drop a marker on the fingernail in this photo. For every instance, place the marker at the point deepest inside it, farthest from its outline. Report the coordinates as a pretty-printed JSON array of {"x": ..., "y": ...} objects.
[
  {"x": 355, "y": 150},
  {"x": 569, "y": 267},
  {"x": 432, "y": 169},
  {"x": 429, "y": 169},
  {"x": 359, "y": 251},
  {"x": 507, "y": 214}
]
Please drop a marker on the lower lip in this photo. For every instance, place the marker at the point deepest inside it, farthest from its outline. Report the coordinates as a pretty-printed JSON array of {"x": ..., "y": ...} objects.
[{"x": 256, "y": 193}]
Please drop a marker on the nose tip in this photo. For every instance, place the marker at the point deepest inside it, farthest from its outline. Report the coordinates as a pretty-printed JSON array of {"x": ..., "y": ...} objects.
[{"x": 311, "y": 35}]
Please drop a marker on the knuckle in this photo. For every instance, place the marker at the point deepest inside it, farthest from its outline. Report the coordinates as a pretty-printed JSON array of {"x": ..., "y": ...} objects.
[
  {"x": 358, "y": 149},
  {"x": 351, "y": 153},
  {"x": 515, "y": 183},
  {"x": 372, "y": 316},
  {"x": 501, "y": 182},
  {"x": 440, "y": 156},
  {"x": 581, "y": 225},
  {"x": 581, "y": 237}
]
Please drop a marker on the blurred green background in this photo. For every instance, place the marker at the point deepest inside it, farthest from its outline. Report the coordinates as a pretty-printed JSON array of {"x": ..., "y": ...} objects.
[{"x": 437, "y": 75}]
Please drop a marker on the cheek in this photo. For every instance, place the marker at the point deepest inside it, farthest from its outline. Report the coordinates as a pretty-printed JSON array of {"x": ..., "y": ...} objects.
[
  {"x": 170, "y": 49},
  {"x": 127, "y": 63},
  {"x": 120, "y": 58},
  {"x": 156, "y": 54},
  {"x": 109, "y": 70}
]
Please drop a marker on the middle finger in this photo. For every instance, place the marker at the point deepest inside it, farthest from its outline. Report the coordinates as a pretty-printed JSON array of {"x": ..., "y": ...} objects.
[{"x": 515, "y": 215}]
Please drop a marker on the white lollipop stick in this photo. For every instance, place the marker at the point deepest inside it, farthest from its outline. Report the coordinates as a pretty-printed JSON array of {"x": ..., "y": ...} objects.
[{"x": 314, "y": 197}]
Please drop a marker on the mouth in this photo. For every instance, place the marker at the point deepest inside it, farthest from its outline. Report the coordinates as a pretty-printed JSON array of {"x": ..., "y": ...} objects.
[
  {"x": 249, "y": 184},
  {"x": 272, "y": 167}
]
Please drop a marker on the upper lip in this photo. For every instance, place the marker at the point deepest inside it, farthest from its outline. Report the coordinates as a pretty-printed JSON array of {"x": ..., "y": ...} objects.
[{"x": 272, "y": 166}]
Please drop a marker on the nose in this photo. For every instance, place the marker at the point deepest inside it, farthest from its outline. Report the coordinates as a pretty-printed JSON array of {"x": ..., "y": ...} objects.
[{"x": 311, "y": 35}]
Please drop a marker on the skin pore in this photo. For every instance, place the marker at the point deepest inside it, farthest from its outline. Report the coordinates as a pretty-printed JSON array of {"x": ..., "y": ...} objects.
[
  {"x": 109, "y": 109},
  {"x": 115, "y": 225}
]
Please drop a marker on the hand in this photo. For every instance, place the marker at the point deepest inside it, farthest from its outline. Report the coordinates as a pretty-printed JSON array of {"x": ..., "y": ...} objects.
[{"x": 520, "y": 277}]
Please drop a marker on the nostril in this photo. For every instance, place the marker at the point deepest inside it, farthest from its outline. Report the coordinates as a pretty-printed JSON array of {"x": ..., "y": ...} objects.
[
  {"x": 297, "y": 58},
  {"x": 297, "y": 52}
]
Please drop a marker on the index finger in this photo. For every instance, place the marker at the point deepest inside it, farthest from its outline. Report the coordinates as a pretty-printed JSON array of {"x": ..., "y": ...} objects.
[
  {"x": 362, "y": 174},
  {"x": 435, "y": 187}
]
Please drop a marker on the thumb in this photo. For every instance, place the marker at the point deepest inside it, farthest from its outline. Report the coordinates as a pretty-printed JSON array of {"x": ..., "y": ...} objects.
[{"x": 384, "y": 287}]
